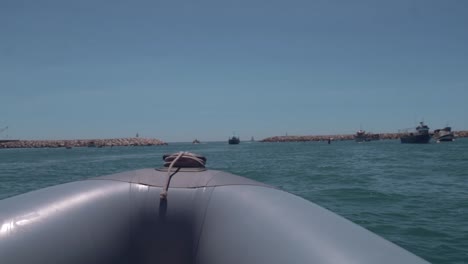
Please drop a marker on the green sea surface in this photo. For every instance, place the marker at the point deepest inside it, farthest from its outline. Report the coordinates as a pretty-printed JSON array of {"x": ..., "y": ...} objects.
[{"x": 413, "y": 195}]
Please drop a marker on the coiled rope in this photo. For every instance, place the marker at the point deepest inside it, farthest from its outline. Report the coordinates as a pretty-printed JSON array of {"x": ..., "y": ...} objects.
[{"x": 179, "y": 160}]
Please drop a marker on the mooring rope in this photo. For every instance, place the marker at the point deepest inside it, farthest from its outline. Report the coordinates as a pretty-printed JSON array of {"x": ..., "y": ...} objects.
[{"x": 180, "y": 159}]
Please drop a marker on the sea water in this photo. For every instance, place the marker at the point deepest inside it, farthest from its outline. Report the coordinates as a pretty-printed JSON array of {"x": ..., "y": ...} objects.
[{"x": 413, "y": 195}]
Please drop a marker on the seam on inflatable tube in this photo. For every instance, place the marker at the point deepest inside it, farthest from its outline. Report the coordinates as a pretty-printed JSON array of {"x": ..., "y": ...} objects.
[{"x": 203, "y": 223}]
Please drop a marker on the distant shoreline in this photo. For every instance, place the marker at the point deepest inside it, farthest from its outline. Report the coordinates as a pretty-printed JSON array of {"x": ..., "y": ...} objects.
[
  {"x": 71, "y": 143},
  {"x": 114, "y": 142},
  {"x": 340, "y": 137}
]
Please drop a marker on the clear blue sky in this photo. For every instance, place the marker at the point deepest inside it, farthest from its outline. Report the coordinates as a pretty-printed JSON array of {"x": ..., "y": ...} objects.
[{"x": 179, "y": 70}]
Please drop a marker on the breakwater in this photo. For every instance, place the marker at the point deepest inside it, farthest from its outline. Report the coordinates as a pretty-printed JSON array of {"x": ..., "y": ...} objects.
[
  {"x": 307, "y": 138},
  {"x": 82, "y": 143},
  {"x": 463, "y": 133},
  {"x": 459, "y": 134}
]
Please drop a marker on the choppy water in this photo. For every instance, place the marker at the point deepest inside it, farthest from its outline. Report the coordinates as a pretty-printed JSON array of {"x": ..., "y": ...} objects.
[{"x": 413, "y": 195}]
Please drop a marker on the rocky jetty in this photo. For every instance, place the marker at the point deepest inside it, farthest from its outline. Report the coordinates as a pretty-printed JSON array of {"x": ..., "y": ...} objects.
[
  {"x": 82, "y": 143},
  {"x": 307, "y": 138},
  {"x": 340, "y": 137},
  {"x": 461, "y": 134}
]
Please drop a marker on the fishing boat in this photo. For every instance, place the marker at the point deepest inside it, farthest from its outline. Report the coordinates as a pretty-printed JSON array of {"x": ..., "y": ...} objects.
[
  {"x": 181, "y": 213},
  {"x": 361, "y": 136},
  {"x": 234, "y": 140},
  {"x": 444, "y": 134},
  {"x": 196, "y": 141},
  {"x": 419, "y": 136}
]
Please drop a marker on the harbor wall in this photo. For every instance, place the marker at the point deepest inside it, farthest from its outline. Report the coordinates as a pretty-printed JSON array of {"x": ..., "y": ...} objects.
[
  {"x": 82, "y": 143},
  {"x": 458, "y": 134}
]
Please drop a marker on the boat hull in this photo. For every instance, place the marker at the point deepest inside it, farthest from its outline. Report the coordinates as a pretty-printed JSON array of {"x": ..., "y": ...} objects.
[
  {"x": 415, "y": 139},
  {"x": 446, "y": 138},
  {"x": 444, "y": 135},
  {"x": 208, "y": 217},
  {"x": 362, "y": 139}
]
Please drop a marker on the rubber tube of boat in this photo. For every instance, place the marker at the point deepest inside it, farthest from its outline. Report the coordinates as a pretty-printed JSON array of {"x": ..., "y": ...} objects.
[{"x": 211, "y": 217}]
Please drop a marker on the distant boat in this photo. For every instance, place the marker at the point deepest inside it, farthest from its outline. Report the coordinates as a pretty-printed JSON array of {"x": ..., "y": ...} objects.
[
  {"x": 234, "y": 140},
  {"x": 361, "y": 136},
  {"x": 420, "y": 136},
  {"x": 196, "y": 141},
  {"x": 68, "y": 147},
  {"x": 444, "y": 134},
  {"x": 252, "y": 139}
]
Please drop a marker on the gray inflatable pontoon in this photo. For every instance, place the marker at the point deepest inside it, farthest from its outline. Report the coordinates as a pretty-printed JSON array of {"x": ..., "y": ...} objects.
[{"x": 207, "y": 216}]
